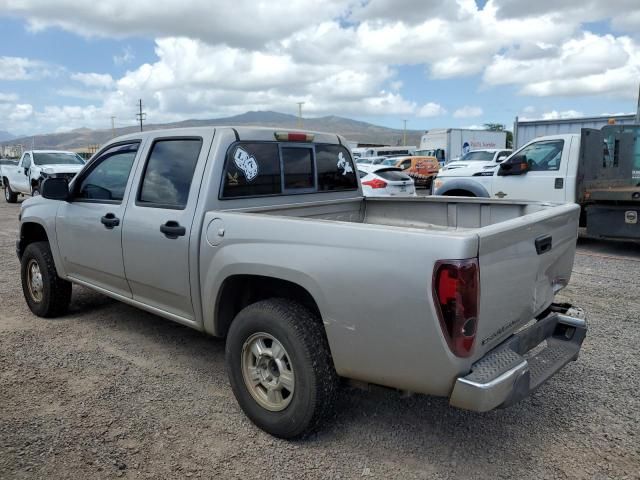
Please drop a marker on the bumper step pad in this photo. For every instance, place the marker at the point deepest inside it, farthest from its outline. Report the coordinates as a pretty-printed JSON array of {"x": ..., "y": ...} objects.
[{"x": 507, "y": 374}]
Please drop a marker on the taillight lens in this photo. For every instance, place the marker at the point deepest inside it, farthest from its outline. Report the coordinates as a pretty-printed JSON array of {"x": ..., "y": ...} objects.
[
  {"x": 456, "y": 292},
  {"x": 375, "y": 183}
]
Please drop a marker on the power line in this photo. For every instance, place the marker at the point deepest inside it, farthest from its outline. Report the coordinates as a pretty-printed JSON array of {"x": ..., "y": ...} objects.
[{"x": 140, "y": 115}]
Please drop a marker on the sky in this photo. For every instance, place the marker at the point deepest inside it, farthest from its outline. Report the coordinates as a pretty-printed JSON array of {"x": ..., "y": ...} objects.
[{"x": 435, "y": 63}]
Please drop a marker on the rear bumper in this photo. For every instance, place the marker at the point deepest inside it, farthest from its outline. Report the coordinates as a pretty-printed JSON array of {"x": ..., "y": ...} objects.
[{"x": 512, "y": 370}]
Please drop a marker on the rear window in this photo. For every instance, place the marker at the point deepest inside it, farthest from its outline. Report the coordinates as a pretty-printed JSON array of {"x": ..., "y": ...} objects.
[
  {"x": 272, "y": 168},
  {"x": 392, "y": 174},
  {"x": 252, "y": 169},
  {"x": 298, "y": 168},
  {"x": 335, "y": 169}
]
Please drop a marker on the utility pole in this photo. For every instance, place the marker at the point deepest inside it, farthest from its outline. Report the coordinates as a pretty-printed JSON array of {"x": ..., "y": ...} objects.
[
  {"x": 300, "y": 114},
  {"x": 113, "y": 126},
  {"x": 140, "y": 115},
  {"x": 404, "y": 134}
]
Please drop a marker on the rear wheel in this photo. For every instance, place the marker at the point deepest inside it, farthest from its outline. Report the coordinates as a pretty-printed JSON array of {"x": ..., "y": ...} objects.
[
  {"x": 35, "y": 191},
  {"x": 280, "y": 367},
  {"x": 47, "y": 295},
  {"x": 9, "y": 195}
]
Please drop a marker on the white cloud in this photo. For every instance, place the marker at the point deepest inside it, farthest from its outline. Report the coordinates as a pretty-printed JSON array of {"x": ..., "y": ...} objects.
[
  {"x": 19, "y": 68},
  {"x": 99, "y": 80},
  {"x": 431, "y": 109},
  {"x": 126, "y": 57},
  {"x": 555, "y": 115},
  {"x": 8, "y": 97},
  {"x": 468, "y": 112},
  {"x": 588, "y": 65},
  {"x": 245, "y": 23}
]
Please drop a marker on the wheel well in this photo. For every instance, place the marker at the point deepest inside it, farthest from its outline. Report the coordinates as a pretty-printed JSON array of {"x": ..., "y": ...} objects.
[
  {"x": 30, "y": 233},
  {"x": 239, "y": 291},
  {"x": 34, "y": 182},
  {"x": 459, "y": 193}
]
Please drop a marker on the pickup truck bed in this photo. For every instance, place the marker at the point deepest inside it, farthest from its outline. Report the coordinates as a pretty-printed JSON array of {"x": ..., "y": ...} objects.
[{"x": 370, "y": 261}]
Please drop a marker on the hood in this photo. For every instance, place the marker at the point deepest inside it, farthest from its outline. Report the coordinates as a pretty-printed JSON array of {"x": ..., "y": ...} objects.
[
  {"x": 469, "y": 170},
  {"x": 477, "y": 164},
  {"x": 52, "y": 169}
]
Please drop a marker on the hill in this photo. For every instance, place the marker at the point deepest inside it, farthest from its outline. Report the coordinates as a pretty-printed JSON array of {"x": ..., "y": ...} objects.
[{"x": 352, "y": 130}]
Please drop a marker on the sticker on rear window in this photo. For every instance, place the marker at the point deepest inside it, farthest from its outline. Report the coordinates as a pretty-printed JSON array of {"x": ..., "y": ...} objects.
[
  {"x": 246, "y": 163},
  {"x": 344, "y": 165}
]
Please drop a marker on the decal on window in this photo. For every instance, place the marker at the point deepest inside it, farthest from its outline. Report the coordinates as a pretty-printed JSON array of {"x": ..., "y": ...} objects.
[
  {"x": 246, "y": 163},
  {"x": 343, "y": 164}
]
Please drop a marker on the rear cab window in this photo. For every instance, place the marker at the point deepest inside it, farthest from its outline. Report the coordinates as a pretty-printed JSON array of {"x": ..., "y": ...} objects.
[{"x": 271, "y": 168}]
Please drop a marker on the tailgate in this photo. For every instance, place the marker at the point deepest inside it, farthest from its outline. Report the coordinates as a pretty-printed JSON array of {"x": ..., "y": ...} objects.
[{"x": 523, "y": 263}]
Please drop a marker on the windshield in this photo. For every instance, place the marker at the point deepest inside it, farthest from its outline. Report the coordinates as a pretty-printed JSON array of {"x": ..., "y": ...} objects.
[
  {"x": 390, "y": 161},
  {"x": 57, "y": 158},
  {"x": 477, "y": 155}
]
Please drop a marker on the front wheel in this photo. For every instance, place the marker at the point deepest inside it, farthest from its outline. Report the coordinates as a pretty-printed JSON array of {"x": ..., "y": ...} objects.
[
  {"x": 280, "y": 368},
  {"x": 47, "y": 294},
  {"x": 35, "y": 191},
  {"x": 9, "y": 195}
]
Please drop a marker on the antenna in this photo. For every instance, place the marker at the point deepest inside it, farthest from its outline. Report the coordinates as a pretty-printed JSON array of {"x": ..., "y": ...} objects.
[
  {"x": 113, "y": 126},
  {"x": 140, "y": 115}
]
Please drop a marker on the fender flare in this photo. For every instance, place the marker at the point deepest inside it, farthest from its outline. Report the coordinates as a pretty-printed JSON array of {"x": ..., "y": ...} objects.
[{"x": 463, "y": 184}]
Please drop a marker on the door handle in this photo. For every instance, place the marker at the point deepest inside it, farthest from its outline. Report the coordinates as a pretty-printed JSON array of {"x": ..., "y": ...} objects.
[
  {"x": 501, "y": 194},
  {"x": 172, "y": 229},
  {"x": 110, "y": 220}
]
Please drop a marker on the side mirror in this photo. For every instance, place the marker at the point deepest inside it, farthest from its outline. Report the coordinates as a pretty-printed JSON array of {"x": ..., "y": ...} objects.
[
  {"x": 26, "y": 171},
  {"x": 55, "y": 189},
  {"x": 515, "y": 166}
]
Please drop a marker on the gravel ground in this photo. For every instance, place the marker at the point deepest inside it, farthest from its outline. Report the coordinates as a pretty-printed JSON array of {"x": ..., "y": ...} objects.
[{"x": 111, "y": 391}]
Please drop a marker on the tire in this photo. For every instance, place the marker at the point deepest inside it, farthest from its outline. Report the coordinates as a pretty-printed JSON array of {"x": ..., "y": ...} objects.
[
  {"x": 9, "y": 195},
  {"x": 306, "y": 355},
  {"x": 55, "y": 293},
  {"x": 35, "y": 191}
]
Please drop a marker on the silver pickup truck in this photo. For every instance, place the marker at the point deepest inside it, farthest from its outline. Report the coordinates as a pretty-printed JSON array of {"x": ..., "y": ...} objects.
[{"x": 263, "y": 237}]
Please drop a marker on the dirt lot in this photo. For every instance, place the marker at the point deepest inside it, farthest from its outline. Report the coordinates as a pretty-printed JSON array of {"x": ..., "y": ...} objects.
[{"x": 112, "y": 391}]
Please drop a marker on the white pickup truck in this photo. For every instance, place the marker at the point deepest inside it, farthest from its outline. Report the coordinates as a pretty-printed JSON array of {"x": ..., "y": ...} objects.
[
  {"x": 597, "y": 169},
  {"x": 33, "y": 167},
  {"x": 264, "y": 237}
]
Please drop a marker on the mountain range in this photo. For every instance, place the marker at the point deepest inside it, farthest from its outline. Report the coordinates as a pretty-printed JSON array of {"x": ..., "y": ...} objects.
[{"x": 352, "y": 130}]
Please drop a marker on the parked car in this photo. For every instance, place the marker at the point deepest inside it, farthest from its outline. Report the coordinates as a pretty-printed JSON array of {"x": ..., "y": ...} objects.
[
  {"x": 597, "y": 169},
  {"x": 261, "y": 236},
  {"x": 479, "y": 159},
  {"x": 382, "y": 181},
  {"x": 34, "y": 166},
  {"x": 421, "y": 169}
]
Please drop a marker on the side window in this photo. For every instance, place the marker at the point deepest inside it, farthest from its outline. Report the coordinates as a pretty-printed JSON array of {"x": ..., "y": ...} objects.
[
  {"x": 543, "y": 156},
  {"x": 406, "y": 164},
  {"x": 252, "y": 169},
  {"x": 108, "y": 175},
  {"x": 297, "y": 166},
  {"x": 26, "y": 163},
  {"x": 169, "y": 171},
  {"x": 335, "y": 168}
]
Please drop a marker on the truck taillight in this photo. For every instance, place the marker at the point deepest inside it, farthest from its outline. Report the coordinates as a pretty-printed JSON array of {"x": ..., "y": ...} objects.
[
  {"x": 375, "y": 183},
  {"x": 456, "y": 292}
]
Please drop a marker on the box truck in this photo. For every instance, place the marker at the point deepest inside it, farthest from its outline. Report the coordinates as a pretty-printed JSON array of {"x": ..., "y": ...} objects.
[{"x": 447, "y": 144}]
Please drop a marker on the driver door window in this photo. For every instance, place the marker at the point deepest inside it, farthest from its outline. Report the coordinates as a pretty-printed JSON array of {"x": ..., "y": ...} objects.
[
  {"x": 26, "y": 163},
  {"x": 544, "y": 156},
  {"x": 107, "y": 180}
]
